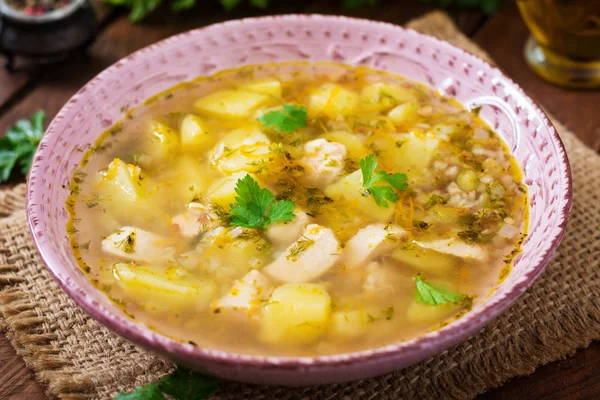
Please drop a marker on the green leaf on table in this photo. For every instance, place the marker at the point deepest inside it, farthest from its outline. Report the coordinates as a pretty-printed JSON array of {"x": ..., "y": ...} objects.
[
  {"x": 147, "y": 392},
  {"x": 286, "y": 120},
  {"x": 256, "y": 207},
  {"x": 178, "y": 5},
  {"x": 435, "y": 295},
  {"x": 18, "y": 145},
  {"x": 382, "y": 194},
  {"x": 181, "y": 384},
  {"x": 358, "y": 3},
  {"x": 184, "y": 384}
]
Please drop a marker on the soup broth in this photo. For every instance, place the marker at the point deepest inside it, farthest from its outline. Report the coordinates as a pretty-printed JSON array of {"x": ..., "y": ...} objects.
[{"x": 297, "y": 209}]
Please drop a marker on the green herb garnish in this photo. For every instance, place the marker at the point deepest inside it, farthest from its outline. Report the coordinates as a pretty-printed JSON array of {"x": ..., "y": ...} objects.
[
  {"x": 435, "y": 295},
  {"x": 287, "y": 120},
  {"x": 19, "y": 144},
  {"x": 300, "y": 246},
  {"x": 434, "y": 200},
  {"x": 256, "y": 207},
  {"x": 381, "y": 193},
  {"x": 182, "y": 384},
  {"x": 421, "y": 226}
]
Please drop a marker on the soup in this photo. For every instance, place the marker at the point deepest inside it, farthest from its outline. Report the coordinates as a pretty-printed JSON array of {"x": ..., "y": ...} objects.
[{"x": 297, "y": 209}]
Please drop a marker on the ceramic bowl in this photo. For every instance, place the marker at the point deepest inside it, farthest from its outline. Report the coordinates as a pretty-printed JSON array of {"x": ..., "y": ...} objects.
[{"x": 527, "y": 131}]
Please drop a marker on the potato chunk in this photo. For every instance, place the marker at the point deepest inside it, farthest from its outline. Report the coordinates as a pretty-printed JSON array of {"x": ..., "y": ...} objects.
[
  {"x": 122, "y": 183},
  {"x": 161, "y": 142},
  {"x": 348, "y": 324},
  {"x": 323, "y": 161},
  {"x": 456, "y": 247},
  {"x": 349, "y": 189},
  {"x": 158, "y": 290},
  {"x": 246, "y": 293},
  {"x": 353, "y": 143},
  {"x": 135, "y": 244},
  {"x": 381, "y": 95},
  {"x": 296, "y": 314},
  {"x": 222, "y": 192},
  {"x": 369, "y": 242},
  {"x": 332, "y": 100},
  {"x": 194, "y": 135},
  {"x": 404, "y": 114},
  {"x": 241, "y": 150},
  {"x": 272, "y": 87},
  {"x": 425, "y": 260},
  {"x": 408, "y": 153},
  {"x": 307, "y": 258},
  {"x": 284, "y": 233},
  {"x": 426, "y": 314},
  {"x": 233, "y": 104}
]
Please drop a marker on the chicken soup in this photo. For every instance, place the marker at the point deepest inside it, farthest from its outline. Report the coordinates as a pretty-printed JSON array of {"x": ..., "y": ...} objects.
[{"x": 297, "y": 209}]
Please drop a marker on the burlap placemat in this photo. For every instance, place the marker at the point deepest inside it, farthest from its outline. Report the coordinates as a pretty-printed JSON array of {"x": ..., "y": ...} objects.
[{"x": 78, "y": 359}]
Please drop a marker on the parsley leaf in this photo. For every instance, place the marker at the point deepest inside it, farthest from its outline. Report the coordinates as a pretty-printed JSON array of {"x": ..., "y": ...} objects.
[
  {"x": 181, "y": 384},
  {"x": 435, "y": 295},
  {"x": 184, "y": 384},
  {"x": 147, "y": 392},
  {"x": 287, "y": 120},
  {"x": 19, "y": 144},
  {"x": 381, "y": 194},
  {"x": 256, "y": 207}
]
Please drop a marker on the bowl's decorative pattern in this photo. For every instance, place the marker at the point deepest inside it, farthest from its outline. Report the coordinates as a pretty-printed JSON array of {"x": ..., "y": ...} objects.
[{"x": 452, "y": 71}]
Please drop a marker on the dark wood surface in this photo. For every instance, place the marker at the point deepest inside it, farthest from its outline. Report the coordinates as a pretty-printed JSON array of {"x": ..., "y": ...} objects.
[{"x": 502, "y": 35}]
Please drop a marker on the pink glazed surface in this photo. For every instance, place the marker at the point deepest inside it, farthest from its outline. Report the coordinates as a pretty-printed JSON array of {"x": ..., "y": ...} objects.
[{"x": 452, "y": 71}]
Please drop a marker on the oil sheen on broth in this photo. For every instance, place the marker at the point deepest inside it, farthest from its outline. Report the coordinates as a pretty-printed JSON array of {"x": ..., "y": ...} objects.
[{"x": 369, "y": 210}]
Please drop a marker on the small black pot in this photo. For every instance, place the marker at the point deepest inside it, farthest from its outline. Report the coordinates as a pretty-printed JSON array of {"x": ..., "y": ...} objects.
[{"x": 46, "y": 37}]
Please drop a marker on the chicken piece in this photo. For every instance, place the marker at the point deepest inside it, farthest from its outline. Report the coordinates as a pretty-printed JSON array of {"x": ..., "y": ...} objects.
[
  {"x": 135, "y": 244},
  {"x": 384, "y": 279},
  {"x": 456, "y": 247},
  {"x": 371, "y": 241},
  {"x": 246, "y": 293},
  {"x": 307, "y": 258},
  {"x": 198, "y": 218},
  {"x": 284, "y": 233},
  {"x": 323, "y": 161}
]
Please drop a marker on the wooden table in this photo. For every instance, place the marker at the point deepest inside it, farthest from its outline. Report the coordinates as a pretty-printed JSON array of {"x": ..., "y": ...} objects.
[{"x": 503, "y": 36}]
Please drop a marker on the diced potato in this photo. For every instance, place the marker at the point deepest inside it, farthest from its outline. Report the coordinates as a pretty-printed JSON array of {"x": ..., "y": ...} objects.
[
  {"x": 404, "y": 113},
  {"x": 369, "y": 242},
  {"x": 272, "y": 87},
  {"x": 425, "y": 314},
  {"x": 232, "y": 104},
  {"x": 332, "y": 100},
  {"x": 242, "y": 149},
  {"x": 456, "y": 247},
  {"x": 348, "y": 324},
  {"x": 447, "y": 215},
  {"x": 426, "y": 260},
  {"x": 353, "y": 143},
  {"x": 222, "y": 192},
  {"x": 194, "y": 135},
  {"x": 226, "y": 255},
  {"x": 162, "y": 142},
  {"x": 156, "y": 290},
  {"x": 246, "y": 293},
  {"x": 121, "y": 183},
  {"x": 323, "y": 162},
  {"x": 296, "y": 314},
  {"x": 408, "y": 153},
  {"x": 185, "y": 180},
  {"x": 308, "y": 258},
  {"x": 349, "y": 189},
  {"x": 135, "y": 244},
  {"x": 284, "y": 233},
  {"x": 382, "y": 96}
]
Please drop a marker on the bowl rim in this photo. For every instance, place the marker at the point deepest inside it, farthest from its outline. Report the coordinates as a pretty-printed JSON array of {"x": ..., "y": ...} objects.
[{"x": 430, "y": 343}]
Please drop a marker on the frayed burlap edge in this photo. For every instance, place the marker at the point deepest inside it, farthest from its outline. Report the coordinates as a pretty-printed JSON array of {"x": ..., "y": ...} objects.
[{"x": 563, "y": 336}]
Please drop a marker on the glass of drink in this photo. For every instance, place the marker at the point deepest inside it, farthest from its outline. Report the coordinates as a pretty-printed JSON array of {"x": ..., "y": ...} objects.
[{"x": 564, "y": 47}]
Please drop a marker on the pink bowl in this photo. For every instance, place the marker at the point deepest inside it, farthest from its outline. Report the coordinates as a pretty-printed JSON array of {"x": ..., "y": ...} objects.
[{"x": 528, "y": 132}]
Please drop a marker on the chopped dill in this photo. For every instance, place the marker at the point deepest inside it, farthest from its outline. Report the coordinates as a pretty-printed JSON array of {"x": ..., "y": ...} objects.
[
  {"x": 421, "y": 226},
  {"x": 222, "y": 214},
  {"x": 82, "y": 246},
  {"x": 315, "y": 199},
  {"x": 434, "y": 200},
  {"x": 299, "y": 247},
  {"x": 127, "y": 244}
]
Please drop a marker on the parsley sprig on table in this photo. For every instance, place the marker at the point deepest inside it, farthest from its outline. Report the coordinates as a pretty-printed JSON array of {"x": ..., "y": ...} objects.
[
  {"x": 182, "y": 384},
  {"x": 286, "y": 120},
  {"x": 434, "y": 295},
  {"x": 381, "y": 193},
  {"x": 19, "y": 144},
  {"x": 256, "y": 207}
]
